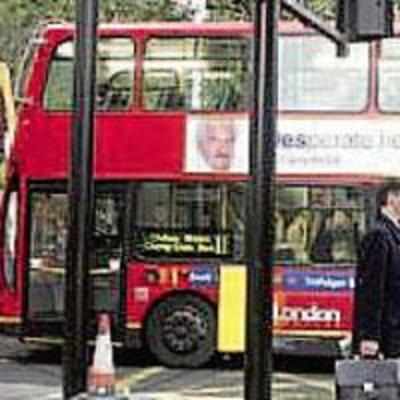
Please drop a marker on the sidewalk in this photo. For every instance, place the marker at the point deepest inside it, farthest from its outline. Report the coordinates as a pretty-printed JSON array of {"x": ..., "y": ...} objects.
[{"x": 149, "y": 396}]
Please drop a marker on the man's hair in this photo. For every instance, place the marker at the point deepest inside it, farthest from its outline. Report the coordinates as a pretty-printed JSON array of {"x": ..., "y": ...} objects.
[
  {"x": 215, "y": 123},
  {"x": 383, "y": 193}
]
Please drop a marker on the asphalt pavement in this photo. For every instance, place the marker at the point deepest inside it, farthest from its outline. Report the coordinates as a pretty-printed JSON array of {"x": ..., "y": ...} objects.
[{"x": 28, "y": 375}]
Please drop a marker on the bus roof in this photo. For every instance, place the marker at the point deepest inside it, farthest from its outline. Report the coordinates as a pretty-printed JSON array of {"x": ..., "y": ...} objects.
[
  {"x": 176, "y": 27},
  {"x": 235, "y": 27}
]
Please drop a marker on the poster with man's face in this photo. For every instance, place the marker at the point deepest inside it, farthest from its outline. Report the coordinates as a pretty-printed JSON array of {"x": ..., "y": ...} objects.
[{"x": 217, "y": 144}]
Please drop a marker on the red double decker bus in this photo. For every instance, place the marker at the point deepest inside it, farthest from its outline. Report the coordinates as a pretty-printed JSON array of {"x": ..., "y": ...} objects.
[{"x": 171, "y": 165}]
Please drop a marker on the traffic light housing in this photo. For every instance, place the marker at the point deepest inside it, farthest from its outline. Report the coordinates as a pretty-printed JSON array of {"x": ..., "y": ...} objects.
[{"x": 361, "y": 20}]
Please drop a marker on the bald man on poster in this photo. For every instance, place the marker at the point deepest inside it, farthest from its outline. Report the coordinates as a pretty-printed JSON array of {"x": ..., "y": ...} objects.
[{"x": 217, "y": 145}]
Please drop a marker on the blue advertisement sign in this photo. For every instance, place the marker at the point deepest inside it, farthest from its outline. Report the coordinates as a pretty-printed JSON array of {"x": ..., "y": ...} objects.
[{"x": 317, "y": 281}]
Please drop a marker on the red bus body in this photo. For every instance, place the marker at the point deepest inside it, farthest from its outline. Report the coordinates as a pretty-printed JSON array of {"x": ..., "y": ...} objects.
[{"x": 313, "y": 305}]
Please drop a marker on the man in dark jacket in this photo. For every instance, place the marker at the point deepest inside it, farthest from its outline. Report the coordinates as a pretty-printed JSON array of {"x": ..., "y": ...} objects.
[{"x": 378, "y": 279}]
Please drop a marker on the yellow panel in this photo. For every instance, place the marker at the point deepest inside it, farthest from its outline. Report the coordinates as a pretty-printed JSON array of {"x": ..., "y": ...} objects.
[
  {"x": 232, "y": 309},
  {"x": 5, "y": 88}
]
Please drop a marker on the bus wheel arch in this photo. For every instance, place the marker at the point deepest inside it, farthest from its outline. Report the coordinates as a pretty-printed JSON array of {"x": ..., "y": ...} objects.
[{"x": 181, "y": 330}]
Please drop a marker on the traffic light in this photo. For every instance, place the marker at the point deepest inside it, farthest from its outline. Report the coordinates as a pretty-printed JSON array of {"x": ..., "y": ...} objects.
[{"x": 362, "y": 20}]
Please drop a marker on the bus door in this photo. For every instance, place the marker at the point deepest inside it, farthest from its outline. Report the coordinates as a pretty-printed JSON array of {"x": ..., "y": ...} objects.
[
  {"x": 109, "y": 272},
  {"x": 45, "y": 277},
  {"x": 45, "y": 289}
]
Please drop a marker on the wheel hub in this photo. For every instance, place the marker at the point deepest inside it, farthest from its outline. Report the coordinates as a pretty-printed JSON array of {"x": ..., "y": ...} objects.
[{"x": 183, "y": 330}]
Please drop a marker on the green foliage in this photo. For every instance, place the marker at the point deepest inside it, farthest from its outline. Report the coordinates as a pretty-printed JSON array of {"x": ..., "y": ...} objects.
[
  {"x": 231, "y": 9},
  {"x": 139, "y": 10},
  {"x": 19, "y": 17},
  {"x": 242, "y": 9}
]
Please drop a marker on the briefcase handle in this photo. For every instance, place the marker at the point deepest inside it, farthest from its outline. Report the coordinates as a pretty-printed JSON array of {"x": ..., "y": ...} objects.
[{"x": 379, "y": 356}]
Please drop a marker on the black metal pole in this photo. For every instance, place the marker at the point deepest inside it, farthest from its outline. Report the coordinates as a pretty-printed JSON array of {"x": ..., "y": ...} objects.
[
  {"x": 80, "y": 201},
  {"x": 260, "y": 232}
]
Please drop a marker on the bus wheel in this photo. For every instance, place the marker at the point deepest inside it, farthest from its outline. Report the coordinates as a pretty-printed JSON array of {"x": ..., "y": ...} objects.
[{"x": 181, "y": 331}]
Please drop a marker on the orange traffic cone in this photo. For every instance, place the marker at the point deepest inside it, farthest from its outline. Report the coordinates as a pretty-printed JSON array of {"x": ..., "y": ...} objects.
[{"x": 101, "y": 376}]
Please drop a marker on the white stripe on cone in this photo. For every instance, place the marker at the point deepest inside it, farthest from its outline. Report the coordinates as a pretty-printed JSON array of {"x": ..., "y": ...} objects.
[{"x": 101, "y": 377}]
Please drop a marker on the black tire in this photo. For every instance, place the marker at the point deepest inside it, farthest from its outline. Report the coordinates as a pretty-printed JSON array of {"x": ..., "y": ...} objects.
[{"x": 181, "y": 331}]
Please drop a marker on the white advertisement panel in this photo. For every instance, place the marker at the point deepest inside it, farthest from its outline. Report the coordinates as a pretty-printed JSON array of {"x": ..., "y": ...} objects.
[
  {"x": 221, "y": 144},
  {"x": 339, "y": 147}
]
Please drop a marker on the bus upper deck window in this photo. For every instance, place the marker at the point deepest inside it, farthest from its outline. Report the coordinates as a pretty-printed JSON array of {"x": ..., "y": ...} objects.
[
  {"x": 196, "y": 74},
  {"x": 313, "y": 78},
  {"x": 389, "y": 76},
  {"x": 115, "y": 76}
]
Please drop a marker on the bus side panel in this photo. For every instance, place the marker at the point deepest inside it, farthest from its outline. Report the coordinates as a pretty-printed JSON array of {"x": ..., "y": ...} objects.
[
  {"x": 313, "y": 306},
  {"x": 149, "y": 283},
  {"x": 311, "y": 298},
  {"x": 47, "y": 155},
  {"x": 232, "y": 309}
]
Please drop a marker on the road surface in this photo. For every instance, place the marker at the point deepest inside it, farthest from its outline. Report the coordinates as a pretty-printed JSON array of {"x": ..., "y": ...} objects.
[{"x": 27, "y": 374}]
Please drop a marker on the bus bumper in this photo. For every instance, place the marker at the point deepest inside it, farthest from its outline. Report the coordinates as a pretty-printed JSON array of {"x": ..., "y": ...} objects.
[{"x": 317, "y": 347}]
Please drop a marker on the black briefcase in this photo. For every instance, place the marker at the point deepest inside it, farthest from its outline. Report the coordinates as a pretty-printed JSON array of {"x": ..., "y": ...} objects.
[{"x": 367, "y": 379}]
